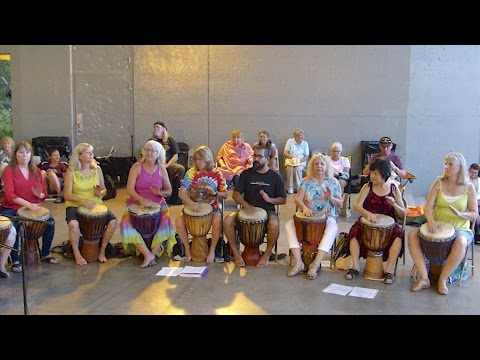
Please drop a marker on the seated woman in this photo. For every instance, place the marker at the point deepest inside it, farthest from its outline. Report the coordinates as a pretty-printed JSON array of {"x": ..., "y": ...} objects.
[
  {"x": 53, "y": 172},
  {"x": 233, "y": 157},
  {"x": 23, "y": 187},
  {"x": 147, "y": 185},
  {"x": 378, "y": 196},
  {"x": 85, "y": 186},
  {"x": 202, "y": 183},
  {"x": 6, "y": 152},
  {"x": 451, "y": 199},
  {"x": 264, "y": 140},
  {"x": 320, "y": 193},
  {"x": 340, "y": 164}
]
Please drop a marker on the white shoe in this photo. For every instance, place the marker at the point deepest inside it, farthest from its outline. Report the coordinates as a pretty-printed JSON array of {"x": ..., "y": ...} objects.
[{"x": 290, "y": 191}]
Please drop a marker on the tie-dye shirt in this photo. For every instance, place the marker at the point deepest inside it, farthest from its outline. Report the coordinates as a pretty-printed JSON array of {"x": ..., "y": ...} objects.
[{"x": 213, "y": 178}]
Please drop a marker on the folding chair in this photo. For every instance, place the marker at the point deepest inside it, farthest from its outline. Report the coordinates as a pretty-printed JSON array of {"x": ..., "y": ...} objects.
[{"x": 348, "y": 191}]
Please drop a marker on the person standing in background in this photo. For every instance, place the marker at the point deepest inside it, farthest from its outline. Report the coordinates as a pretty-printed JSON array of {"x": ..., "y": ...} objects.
[{"x": 296, "y": 154}]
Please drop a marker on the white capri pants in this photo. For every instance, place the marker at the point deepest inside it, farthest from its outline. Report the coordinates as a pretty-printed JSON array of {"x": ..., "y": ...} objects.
[{"x": 328, "y": 238}]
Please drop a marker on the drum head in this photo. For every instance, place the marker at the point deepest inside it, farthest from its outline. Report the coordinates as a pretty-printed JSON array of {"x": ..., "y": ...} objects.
[
  {"x": 385, "y": 221},
  {"x": 5, "y": 223},
  {"x": 258, "y": 214},
  {"x": 317, "y": 217},
  {"x": 98, "y": 209},
  {"x": 445, "y": 231},
  {"x": 41, "y": 214},
  {"x": 141, "y": 210},
  {"x": 205, "y": 209}
]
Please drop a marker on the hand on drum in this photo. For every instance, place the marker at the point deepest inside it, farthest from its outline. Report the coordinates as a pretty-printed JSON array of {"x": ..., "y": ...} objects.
[
  {"x": 195, "y": 207},
  {"x": 89, "y": 204},
  {"x": 34, "y": 208},
  {"x": 432, "y": 227},
  {"x": 373, "y": 218},
  {"x": 307, "y": 212}
]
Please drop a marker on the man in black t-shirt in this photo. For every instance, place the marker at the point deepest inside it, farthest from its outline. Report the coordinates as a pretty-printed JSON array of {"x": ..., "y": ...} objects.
[
  {"x": 260, "y": 187},
  {"x": 175, "y": 171}
]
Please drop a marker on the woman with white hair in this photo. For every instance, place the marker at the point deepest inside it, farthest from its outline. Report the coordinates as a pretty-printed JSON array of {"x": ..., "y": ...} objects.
[
  {"x": 320, "y": 193},
  {"x": 340, "y": 164},
  {"x": 85, "y": 186},
  {"x": 451, "y": 199},
  {"x": 148, "y": 186}
]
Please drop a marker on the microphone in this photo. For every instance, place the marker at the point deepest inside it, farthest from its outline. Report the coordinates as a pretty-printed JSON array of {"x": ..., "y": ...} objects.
[{"x": 23, "y": 218}]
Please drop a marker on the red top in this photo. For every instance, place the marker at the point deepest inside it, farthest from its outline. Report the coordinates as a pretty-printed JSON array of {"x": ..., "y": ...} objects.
[{"x": 16, "y": 186}]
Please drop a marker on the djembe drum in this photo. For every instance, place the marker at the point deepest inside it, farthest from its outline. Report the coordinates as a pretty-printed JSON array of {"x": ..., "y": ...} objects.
[
  {"x": 146, "y": 221},
  {"x": 198, "y": 224},
  {"x": 376, "y": 237},
  {"x": 34, "y": 229},
  {"x": 92, "y": 223},
  {"x": 309, "y": 231},
  {"x": 251, "y": 231},
  {"x": 437, "y": 246},
  {"x": 5, "y": 226}
]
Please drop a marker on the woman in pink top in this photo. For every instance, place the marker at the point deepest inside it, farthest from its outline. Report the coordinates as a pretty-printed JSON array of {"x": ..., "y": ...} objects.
[{"x": 148, "y": 185}]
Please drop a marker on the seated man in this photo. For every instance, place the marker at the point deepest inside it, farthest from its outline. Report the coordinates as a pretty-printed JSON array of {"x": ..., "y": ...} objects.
[
  {"x": 296, "y": 154},
  {"x": 261, "y": 187},
  {"x": 396, "y": 164}
]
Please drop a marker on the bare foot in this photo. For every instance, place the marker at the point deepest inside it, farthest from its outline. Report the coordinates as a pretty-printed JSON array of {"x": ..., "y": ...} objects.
[
  {"x": 239, "y": 260},
  {"x": 102, "y": 258},
  {"x": 210, "y": 258},
  {"x": 80, "y": 260},
  {"x": 148, "y": 261},
  {"x": 263, "y": 262},
  {"x": 188, "y": 257}
]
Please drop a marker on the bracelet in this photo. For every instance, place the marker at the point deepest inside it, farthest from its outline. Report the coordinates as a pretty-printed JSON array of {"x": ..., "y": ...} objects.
[{"x": 216, "y": 193}]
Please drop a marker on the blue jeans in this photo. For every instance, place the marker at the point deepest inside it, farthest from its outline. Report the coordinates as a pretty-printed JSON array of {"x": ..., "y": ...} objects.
[{"x": 47, "y": 237}]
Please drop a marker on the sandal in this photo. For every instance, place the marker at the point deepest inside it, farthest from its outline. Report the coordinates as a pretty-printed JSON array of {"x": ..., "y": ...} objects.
[
  {"x": 351, "y": 274},
  {"x": 50, "y": 259},
  {"x": 16, "y": 267},
  {"x": 420, "y": 284},
  {"x": 388, "y": 278},
  {"x": 313, "y": 270}
]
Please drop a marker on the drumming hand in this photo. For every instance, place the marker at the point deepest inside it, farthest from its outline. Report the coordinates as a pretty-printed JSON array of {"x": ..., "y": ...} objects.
[
  {"x": 249, "y": 209},
  {"x": 155, "y": 189},
  {"x": 307, "y": 212},
  {"x": 390, "y": 200},
  {"x": 373, "y": 218},
  {"x": 454, "y": 210},
  {"x": 37, "y": 191},
  {"x": 34, "y": 207},
  {"x": 265, "y": 196},
  {"x": 90, "y": 204},
  {"x": 98, "y": 190},
  {"x": 196, "y": 207},
  {"x": 432, "y": 227}
]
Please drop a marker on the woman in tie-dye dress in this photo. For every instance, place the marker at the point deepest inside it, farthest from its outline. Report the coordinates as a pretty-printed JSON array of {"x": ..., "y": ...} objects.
[{"x": 148, "y": 185}]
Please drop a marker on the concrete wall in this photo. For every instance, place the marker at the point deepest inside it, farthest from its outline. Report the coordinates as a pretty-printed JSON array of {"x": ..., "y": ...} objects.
[
  {"x": 335, "y": 93},
  {"x": 443, "y": 111}
]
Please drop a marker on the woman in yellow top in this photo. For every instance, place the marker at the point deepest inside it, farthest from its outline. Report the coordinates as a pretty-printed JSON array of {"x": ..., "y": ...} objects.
[
  {"x": 451, "y": 199},
  {"x": 85, "y": 186}
]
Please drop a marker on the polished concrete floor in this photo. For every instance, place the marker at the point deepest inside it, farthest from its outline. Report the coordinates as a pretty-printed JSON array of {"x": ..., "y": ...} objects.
[{"x": 120, "y": 287}]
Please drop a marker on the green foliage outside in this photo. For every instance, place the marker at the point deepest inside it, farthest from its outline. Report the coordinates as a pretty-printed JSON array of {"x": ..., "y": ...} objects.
[{"x": 5, "y": 100}]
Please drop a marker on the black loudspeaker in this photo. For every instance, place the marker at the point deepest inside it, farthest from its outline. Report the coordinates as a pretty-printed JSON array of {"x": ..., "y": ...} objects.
[
  {"x": 117, "y": 167},
  {"x": 183, "y": 154},
  {"x": 43, "y": 144}
]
